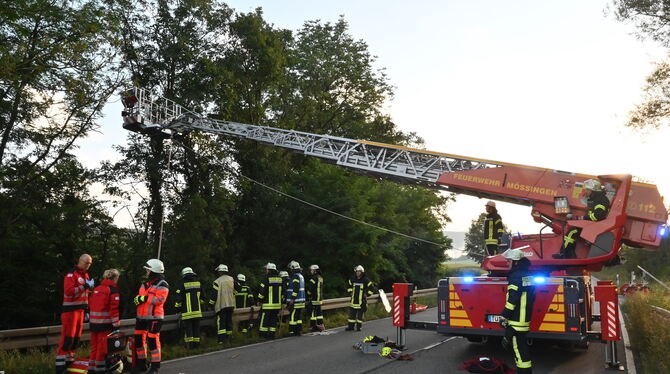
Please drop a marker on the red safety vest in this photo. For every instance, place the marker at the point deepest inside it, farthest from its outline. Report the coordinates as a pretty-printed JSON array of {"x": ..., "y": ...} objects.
[
  {"x": 156, "y": 291},
  {"x": 104, "y": 307},
  {"x": 75, "y": 295}
]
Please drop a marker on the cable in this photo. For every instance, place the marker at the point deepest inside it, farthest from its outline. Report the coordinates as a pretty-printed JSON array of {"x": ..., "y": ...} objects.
[{"x": 316, "y": 206}]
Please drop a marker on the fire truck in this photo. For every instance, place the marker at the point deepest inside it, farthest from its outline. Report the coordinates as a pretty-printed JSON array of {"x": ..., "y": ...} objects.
[{"x": 568, "y": 307}]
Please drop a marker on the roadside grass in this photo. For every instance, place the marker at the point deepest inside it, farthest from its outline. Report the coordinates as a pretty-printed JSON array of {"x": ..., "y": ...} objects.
[
  {"x": 41, "y": 361},
  {"x": 649, "y": 332},
  {"x": 459, "y": 269}
]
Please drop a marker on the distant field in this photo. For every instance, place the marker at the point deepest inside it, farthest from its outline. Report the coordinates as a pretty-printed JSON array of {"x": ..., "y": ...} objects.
[{"x": 460, "y": 269}]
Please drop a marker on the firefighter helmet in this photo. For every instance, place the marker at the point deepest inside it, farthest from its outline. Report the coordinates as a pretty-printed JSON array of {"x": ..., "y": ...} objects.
[
  {"x": 359, "y": 268},
  {"x": 155, "y": 266},
  {"x": 314, "y": 267},
  {"x": 293, "y": 265},
  {"x": 187, "y": 270},
  {"x": 283, "y": 274},
  {"x": 491, "y": 203},
  {"x": 241, "y": 278},
  {"x": 270, "y": 266},
  {"x": 593, "y": 185},
  {"x": 114, "y": 364},
  {"x": 513, "y": 254},
  {"x": 222, "y": 268}
]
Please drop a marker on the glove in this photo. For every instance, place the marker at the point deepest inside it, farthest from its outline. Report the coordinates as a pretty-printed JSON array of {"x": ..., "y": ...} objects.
[
  {"x": 503, "y": 322},
  {"x": 87, "y": 317},
  {"x": 139, "y": 299},
  {"x": 89, "y": 283}
]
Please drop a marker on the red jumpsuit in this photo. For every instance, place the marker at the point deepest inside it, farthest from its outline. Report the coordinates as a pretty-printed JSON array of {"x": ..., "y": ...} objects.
[
  {"x": 150, "y": 316},
  {"x": 104, "y": 306},
  {"x": 75, "y": 302}
]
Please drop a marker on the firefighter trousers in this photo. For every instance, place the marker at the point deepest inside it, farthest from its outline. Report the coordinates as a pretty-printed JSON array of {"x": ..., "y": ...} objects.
[
  {"x": 355, "y": 317},
  {"x": 191, "y": 328},
  {"x": 72, "y": 323},
  {"x": 492, "y": 249},
  {"x": 98, "y": 356},
  {"x": 148, "y": 335},
  {"x": 521, "y": 351},
  {"x": 315, "y": 315},
  {"x": 268, "y": 324},
  {"x": 224, "y": 323},
  {"x": 295, "y": 323}
]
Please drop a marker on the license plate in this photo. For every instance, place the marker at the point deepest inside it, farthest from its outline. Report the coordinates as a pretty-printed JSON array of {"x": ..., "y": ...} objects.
[{"x": 493, "y": 318}]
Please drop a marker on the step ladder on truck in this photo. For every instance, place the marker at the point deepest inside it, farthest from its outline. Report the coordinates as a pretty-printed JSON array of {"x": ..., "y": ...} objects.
[{"x": 470, "y": 306}]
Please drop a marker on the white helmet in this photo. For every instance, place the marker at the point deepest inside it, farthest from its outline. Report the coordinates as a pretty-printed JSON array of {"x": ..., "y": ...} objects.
[
  {"x": 241, "y": 278},
  {"x": 293, "y": 265},
  {"x": 187, "y": 270},
  {"x": 270, "y": 266},
  {"x": 155, "y": 266},
  {"x": 593, "y": 185},
  {"x": 283, "y": 274},
  {"x": 491, "y": 203},
  {"x": 314, "y": 267},
  {"x": 513, "y": 254},
  {"x": 359, "y": 268},
  {"x": 222, "y": 268},
  {"x": 114, "y": 365}
]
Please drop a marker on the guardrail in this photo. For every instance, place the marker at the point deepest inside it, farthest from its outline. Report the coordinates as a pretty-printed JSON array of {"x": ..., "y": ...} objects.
[
  {"x": 49, "y": 335},
  {"x": 662, "y": 312}
]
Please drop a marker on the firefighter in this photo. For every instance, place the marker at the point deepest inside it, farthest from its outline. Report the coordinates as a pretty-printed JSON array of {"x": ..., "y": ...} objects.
[
  {"x": 244, "y": 298},
  {"x": 518, "y": 309},
  {"x": 150, "y": 301},
  {"x": 315, "y": 298},
  {"x": 270, "y": 295},
  {"x": 360, "y": 288},
  {"x": 223, "y": 299},
  {"x": 188, "y": 302},
  {"x": 296, "y": 299},
  {"x": 76, "y": 286},
  {"x": 493, "y": 228},
  {"x": 597, "y": 208},
  {"x": 286, "y": 279},
  {"x": 104, "y": 320}
]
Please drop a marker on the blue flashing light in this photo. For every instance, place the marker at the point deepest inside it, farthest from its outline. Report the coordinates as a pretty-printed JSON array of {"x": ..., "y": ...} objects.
[
  {"x": 539, "y": 279},
  {"x": 468, "y": 279},
  {"x": 663, "y": 231}
]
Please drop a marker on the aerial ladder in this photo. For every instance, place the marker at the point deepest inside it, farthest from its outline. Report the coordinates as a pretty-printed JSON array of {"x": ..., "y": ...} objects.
[{"x": 470, "y": 306}]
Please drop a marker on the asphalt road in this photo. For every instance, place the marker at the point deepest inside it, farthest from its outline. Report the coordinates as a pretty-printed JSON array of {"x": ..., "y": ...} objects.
[{"x": 333, "y": 353}]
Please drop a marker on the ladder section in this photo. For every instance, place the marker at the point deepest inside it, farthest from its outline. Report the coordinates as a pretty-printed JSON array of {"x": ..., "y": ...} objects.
[{"x": 404, "y": 164}]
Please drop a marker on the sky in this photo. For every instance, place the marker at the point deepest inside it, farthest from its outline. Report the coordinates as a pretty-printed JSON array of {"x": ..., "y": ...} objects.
[{"x": 543, "y": 83}]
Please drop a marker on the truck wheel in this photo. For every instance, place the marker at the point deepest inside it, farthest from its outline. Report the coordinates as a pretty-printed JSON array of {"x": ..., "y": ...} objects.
[{"x": 475, "y": 338}]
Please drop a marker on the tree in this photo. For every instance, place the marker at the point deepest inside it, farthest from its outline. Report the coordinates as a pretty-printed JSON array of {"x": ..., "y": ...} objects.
[{"x": 474, "y": 239}]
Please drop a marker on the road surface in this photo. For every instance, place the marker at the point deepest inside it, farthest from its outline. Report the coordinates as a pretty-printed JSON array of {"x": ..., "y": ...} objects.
[{"x": 333, "y": 353}]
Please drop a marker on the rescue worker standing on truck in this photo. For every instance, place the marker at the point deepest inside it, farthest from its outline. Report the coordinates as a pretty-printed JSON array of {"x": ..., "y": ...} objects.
[
  {"x": 223, "y": 299},
  {"x": 270, "y": 296},
  {"x": 244, "y": 298},
  {"x": 188, "y": 303},
  {"x": 517, "y": 314},
  {"x": 76, "y": 286},
  {"x": 493, "y": 228},
  {"x": 150, "y": 301},
  {"x": 315, "y": 298},
  {"x": 597, "y": 208},
  {"x": 104, "y": 304},
  {"x": 360, "y": 288},
  {"x": 296, "y": 299}
]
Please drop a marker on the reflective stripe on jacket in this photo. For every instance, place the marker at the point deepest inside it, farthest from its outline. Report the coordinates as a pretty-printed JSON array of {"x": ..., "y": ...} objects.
[
  {"x": 243, "y": 296},
  {"x": 315, "y": 289},
  {"x": 598, "y": 206},
  {"x": 104, "y": 307},
  {"x": 75, "y": 294},
  {"x": 360, "y": 289},
  {"x": 188, "y": 297},
  {"x": 156, "y": 290},
  {"x": 270, "y": 292},
  {"x": 519, "y": 300},
  {"x": 224, "y": 293},
  {"x": 297, "y": 294},
  {"x": 493, "y": 228}
]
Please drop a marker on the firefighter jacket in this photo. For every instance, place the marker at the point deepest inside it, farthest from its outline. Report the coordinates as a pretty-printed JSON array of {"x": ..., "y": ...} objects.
[
  {"x": 270, "y": 291},
  {"x": 598, "y": 205},
  {"x": 224, "y": 293},
  {"x": 75, "y": 294},
  {"x": 360, "y": 289},
  {"x": 188, "y": 297},
  {"x": 493, "y": 228},
  {"x": 104, "y": 307},
  {"x": 315, "y": 289},
  {"x": 519, "y": 301},
  {"x": 286, "y": 283},
  {"x": 156, "y": 290},
  {"x": 244, "y": 297},
  {"x": 297, "y": 295}
]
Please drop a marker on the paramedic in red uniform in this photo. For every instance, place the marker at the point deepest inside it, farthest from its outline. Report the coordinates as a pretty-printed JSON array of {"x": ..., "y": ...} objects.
[
  {"x": 150, "y": 300},
  {"x": 104, "y": 307},
  {"x": 76, "y": 286}
]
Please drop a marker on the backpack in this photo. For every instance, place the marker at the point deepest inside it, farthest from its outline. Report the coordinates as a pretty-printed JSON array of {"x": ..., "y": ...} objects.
[{"x": 486, "y": 365}]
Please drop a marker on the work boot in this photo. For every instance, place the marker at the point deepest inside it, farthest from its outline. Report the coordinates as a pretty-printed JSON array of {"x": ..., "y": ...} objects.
[
  {"x": 152, "y": 371},
  {"x": 350, "y": 327},
  {"x": 358, "y": 326}
]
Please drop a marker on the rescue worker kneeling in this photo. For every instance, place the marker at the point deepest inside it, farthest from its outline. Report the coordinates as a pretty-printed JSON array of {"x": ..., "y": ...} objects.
[
  {"x": 150, "y": 313},
  {"x": 518, "y": 309},
  {"x": 188, "y": 303},
  {"x": 270, "y": 295}
]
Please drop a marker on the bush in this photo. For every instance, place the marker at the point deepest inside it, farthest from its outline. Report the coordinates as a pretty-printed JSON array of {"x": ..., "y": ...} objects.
[{"x": 649, "y": 332}]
